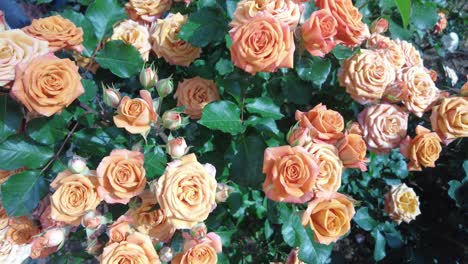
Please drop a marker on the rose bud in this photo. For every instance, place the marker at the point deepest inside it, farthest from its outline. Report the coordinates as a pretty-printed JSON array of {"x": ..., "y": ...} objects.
[
  {"x": 172, "y": 120},
  {"x": 222, "y": 192},
  {"x": 148, "y": 77},
  {"x": 77, "y": 165},
  {"x": 165, "y": 87},
  {"x": 92, "y": 220},
  {"x": 177, "y": 147},
  {"x": 111, "y": 96},
  {"x": 55, "y": 237},
  {"x": 165, "y": 255},
  {"x": 379, "y": 26},
  {"x": 299, "y": 136}
]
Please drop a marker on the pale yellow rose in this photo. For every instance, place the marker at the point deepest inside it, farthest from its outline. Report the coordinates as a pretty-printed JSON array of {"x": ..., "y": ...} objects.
[
  {"x": 330, "y": 166},
  {"x": 147, "y": 11},
  {"x": 133, "y": 34},
  {"x": 402, "y": 204}
]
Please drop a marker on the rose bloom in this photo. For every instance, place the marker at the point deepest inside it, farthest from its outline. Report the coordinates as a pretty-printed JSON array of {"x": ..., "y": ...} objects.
[
  {"x": 299, "y": 136},
  {"x": 366, "y": 75},
  {"x": 412, "y": 56},
  {"x": 389, "y": 48},
  {"x": 136, "y": 248},
  {"x": 16, "y": 47},
  {"x": 325, "y": 125},
  {"x": 330, "y": 166},
  {"x": 318, "y": 33},
  {"x": 60, "y": 32},
  {"x": 200, "y": 251},
  {"x": 351, "y": 30},
  {"x": 423, "y": 150},
  {"x": 263, "y": 44},
  {"x": 421, "y": 90},
  {"x": 147, "y": 11},
  {"x": 441, "y": 23},
  {"x": 166, "y": 43},
  {"x": 450, "y": 118},
  {"x": 11, "y": 253},
  {"x": 194, "y": 94},
  {"x": 286, "y": 11},
  {"x": 352, "y": 151},
  {"x": 74, "y": 195},
  {"x": 186, "y": 191},
  {"x": 402, "y": 204},
  {"x": 21, "y": 230},
  {"x": 384, "y": 127},
  {"x": 291, "y": 174},
  {"x": 379, "y": 26},
  {"x": 136, "y": 115},
  {"x": 133, "y": 34},
  {"x": 121, "y": 176},
  {"x": 120, "y": 229},
  {"x": 329, "y": 216},
  {"x": 47, "y": 84}
]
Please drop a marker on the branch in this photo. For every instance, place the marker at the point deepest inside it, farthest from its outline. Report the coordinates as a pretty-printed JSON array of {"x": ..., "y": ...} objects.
[{"x": 57, "y": 155}]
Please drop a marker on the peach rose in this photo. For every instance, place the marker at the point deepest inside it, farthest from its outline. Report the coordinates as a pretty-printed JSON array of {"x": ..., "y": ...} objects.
[
  {"x": 200, "y": 251},
  {"x": 47, "y": 84},
  {"x": 412, "y": 56},
  {"x": 318, "y": 33},
  {"x": 329, "y": 216},
  {"x": 423, "y": 150},
  {"x": 402, "y": 204},
  {"x": 136, "y": 115},
  {"x": 352, "y": 151},
  {"x": 286, "y": 11},
  {"x": 330, "y": 166},
  {"x": 379, "y": 26},
  {"x": 291, "y": 174},
  {"x": 441, "y": 23},
  {"x": 133, "y": 34},
  {"x": 186, "y": 191},
  {"x": 384, "y": 127},
  {"x": 263, "y": 44},
  {"x": 389, "y": 48},
  {"x": 136, "y": 248},
  {"x": 147, "y": 11},
  {"x": 60, "y": 32},
  {"x": 74, "y": 195},
  {"x": 121, "y": 176},
  {"x": 194, "y": 94},
  {"x": 299, "y": 136},
  {"x": 120, "y": 229},
  {"x": 366, "y": 75},
  {"x": 449, "y": 119},
  {"x": 168, "y": 45},
  {"x": 21, "y": 230},
  {"x": 421, "y": 90},
  {"x": 325, "y": 125},
  {"x": 351, "y": 30},
  {"x": 16, "y": 47}
]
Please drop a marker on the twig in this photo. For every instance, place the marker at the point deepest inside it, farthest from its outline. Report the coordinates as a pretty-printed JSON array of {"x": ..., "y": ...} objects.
[
  {"x": 162, "y": 135},
  {"x": 56, "y": 156},
  {"x": 88, "y": 109}
]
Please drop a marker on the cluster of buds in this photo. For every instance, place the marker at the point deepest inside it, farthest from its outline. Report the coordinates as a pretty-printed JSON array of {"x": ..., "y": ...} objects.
[{"x": 149, "y": 80}]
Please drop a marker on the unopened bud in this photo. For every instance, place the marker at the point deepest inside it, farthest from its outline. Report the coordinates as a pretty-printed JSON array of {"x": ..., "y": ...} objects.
[
  {"x": 165, "y": 87},
  {"x": 171, "y": 120},
  {"x": 222, "y": 192},
  {"x": 299, "y": 136},
  {"x": 165, "y": 255},
  {"x": 92, "y": 220},
  {"x": 177, "y": 147},
  {"x": 379, "y": 26},
  {"x": 111, "y": 96},
  {"x": 55, "y": 237},
  {"x": 77, "y": 165},
  {"x": 148, "y": 77}
]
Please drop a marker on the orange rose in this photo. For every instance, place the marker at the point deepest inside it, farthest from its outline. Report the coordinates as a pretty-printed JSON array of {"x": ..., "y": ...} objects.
[
  {"x": 286, "y": 11},
  {"x": 412, "y": 56},
  {"x": 168, "y": 45},
  {"x": 60, "y": 32},
  {"x": 325, "y": 124},
  {"x": 21, "y": 230},
  {"x": 133, "y": 34},
  {"x": 263, "y": 44},
  {"x": 120, "y": 229},
  {"x": 441, "y": 23},
  {"x": 329, "y": 216},
  {"x": 330, "y": 166},
  {"x": 200, "y": 251},
  {"x": 389, "y": 48},
  {"x": 366, "y": 75},
  {"x": 194, "y": 94},
  {"x": 352, "y": 150},
  {"x": 147, "y": 11},
  {"x": 291, "y": 174},
  {"x": 402, "y": 204},
  {"x": 318, "y": 33},
  {"x": 384, "y": 127},
  {"x": 351, "y": 30},
  {"x": 136, "y": 248},
  {"x": 136, "y": 115},
  {"x": 423, "y": 150},
  {"x": 449, "y": 119}
]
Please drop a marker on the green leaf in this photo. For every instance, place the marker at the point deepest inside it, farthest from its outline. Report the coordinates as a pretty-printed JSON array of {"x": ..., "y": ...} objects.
[
  {"x": 404, "y": 6},
  {"x": 11, "y": 117},
  {"x": 379, "y": 248},
  {"x": 90, "y": 40},
  {"x": 268, "y": 230},
  {"x": 17, "y": 152},
  {"x": 47, "y": 130},
  {"x": 224, "y": 66},
  {"x": 90, "y": 90},
  {"x": 103, "y": 14},
  {"x": 155, "y": 162},
  {"x": 364, "y": 220},
  {"x": 341, "y": 52},
  {"x": 424, "y": 15},
  {"x": 222, "y": 115},
  {"x": 22, "y": 192},
  {"x": 121, "y": 59},
  {"x": 231, "y": 6},
  {"x": 205, "y": 26},
  {"x": 453, "y": 187},
  {"x": 296, "y": 90},
  {"x": 397, "y": 32},
  {"x": 264, "y": 106},
  {"x": 265, "y": 124},
  {"x": 289, "y": 233},
  {"x": 92, "y": 141},
  {"x": 313, "y": 69}
]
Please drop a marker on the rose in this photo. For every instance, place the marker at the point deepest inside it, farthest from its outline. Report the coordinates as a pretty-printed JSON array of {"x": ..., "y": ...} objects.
[
  {"x": 325, "y": 124},
  {"x": 60, "y": 32},
  {"x": 449, "y": 119},
  {"x": 171, "y": 120},
  {"x": 177, "y": 147},
  {"x": 74, "y": 195},
  {"x": 286, "y": 11},
  {"x": 147, "y": 11},
  {"x": 299, "y": 136},
  {"x": 16, "y": 47},
  {"x": 389, "y": 48},
  {"x": 222, "y": 192},
  {"x": 352, "y": 151},
  {"x": 354, "y": 128},
  {"x": 47, "y": 84},
  {"x": 168, "y": 45},
  {"x": 136, "y": 115},
  {"x": 384, "y": 127},
  {"x": 200, "y": 251},
  {"x": 11, "y": 253},
  {"x": 412, "y": 56},
  {"x": 133, "y": 34},
  {"x": 39, "y": 248},
  {"x": 330, "y": 166},
  {"x": 423, "y": 150},
  {"x": 366, "y": 75},
  {"x": 351, "y": 30},
  {"x": 379, "y": 26},
  {"x": 21, "y": 230},
  {"x": 263, "y": 44},
  {"x": 329, "y": 216},
  {"x": 120, "y": 229},
  {"x": 186, "y": 191},
  {"x": 136, "y": 248},
  {"x": 402, "y": 204},
  {"x": 318, "y": 33},
  {"x": 291, "y": 174},
  {"x": 121, "y": 176},
  {"x": 194, "y": 94}
]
